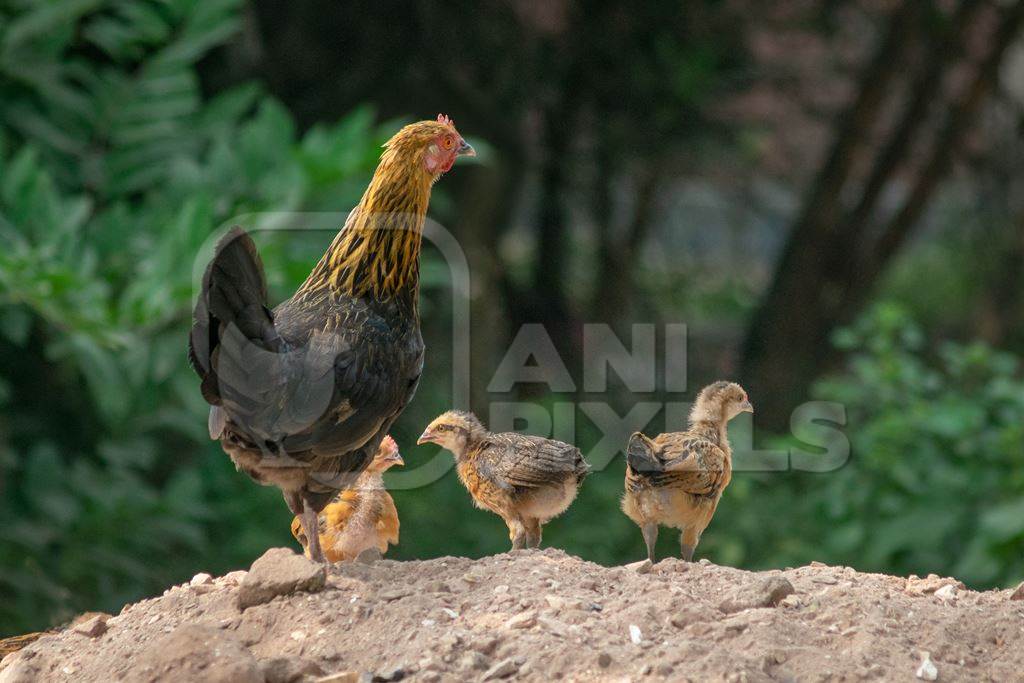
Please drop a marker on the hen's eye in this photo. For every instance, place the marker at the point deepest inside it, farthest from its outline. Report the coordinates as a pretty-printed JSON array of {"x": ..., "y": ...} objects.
[{"x": 448, "y": 142}]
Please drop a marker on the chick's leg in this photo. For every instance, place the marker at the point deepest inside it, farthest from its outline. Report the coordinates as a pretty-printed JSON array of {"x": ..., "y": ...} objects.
[
  {"x": 688, "y": 542},
  {"x": 517, "y": 532},
  {"x": 650, "y": 532},
  {"x": 533, "y": 532}
]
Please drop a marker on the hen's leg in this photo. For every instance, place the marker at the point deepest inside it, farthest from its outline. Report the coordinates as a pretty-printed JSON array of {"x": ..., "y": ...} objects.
[
  {"x": 312, "y": 528},
  {"x": 650, "y": 532}
]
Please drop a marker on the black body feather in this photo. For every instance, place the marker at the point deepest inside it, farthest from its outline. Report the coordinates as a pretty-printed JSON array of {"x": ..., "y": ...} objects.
[{"x": 300, "y": 396}]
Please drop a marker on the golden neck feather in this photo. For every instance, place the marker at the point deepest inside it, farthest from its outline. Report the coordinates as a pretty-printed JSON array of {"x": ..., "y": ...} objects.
[{"x": 377, "y": 252}]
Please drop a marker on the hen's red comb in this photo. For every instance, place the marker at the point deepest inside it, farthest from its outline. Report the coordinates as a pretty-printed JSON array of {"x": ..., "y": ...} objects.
[{"x": 441, "y": 118}]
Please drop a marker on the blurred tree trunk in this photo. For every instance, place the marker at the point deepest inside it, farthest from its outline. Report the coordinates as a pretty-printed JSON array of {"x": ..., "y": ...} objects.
[
  {"x": 618, "y": 247},
  {"x": 547, "y": 301},
  {"x": 491, "y": 195},
  {"x": 1001, "y": 311},
  {"x": 834, "y": 256}
]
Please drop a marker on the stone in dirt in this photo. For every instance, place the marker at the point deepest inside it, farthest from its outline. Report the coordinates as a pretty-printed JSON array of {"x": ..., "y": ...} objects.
[
  {"x": 289, "y": 669},
  {"x": 764, "y": 592},
  {"x": 279, "y": 571},
  {"x": 524, "y": 620},
  {"x": 201, "y": 579},
  {"x": 1019, "y": 593},
  {"x": 343, "y": 677},
  {"x": 194, "y": 653},
  {"x": 369, "y": 556},
  {"x": 475, "y": 660},
  {"x": 93, "y": 627},
  {"x": 502, "y": 669},
  {"x": 641, "y": 567},
  {"x": 202, "y": 583},
  {"x": 917, "y": 586},
  {"x": 395, "y": 673},
  {"x": 927, "y": 671},
  {"x": 234, "y": 578}
]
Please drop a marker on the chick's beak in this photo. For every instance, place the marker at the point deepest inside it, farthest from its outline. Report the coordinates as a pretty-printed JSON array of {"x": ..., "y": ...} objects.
[
  {"x": 426, "y": 437},
  {"x": 466, "y": 150},
  {"x": 747, "y": 407},
  {"x": 397, "y": 459}
]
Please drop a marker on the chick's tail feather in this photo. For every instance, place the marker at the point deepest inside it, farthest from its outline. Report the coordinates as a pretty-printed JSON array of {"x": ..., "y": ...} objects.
[{"x": 640, "y": 454}]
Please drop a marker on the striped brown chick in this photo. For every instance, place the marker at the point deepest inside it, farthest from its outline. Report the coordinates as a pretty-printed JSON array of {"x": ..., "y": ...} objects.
[
  {"x": 526, "y": 480},
  {"x": 677, "y": 479},
  {"x": 361, "y": 518}
]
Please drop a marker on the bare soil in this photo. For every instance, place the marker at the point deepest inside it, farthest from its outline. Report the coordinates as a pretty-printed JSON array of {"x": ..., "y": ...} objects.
[{"x": 542, "y": 615}]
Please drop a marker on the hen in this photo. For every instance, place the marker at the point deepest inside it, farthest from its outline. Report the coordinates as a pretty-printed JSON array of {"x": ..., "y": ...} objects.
[
  {"x": 677, "y": 479},
  {"x": 361, "y": 518},
  {"x": 303, "y": 394},
  {"x": 526, "y": 480}
]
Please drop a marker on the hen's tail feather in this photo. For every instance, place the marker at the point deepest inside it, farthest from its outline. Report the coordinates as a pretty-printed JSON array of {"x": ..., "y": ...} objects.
[
  {"x": 234, "y": 292},
  {"x": 640, "y": 454}
]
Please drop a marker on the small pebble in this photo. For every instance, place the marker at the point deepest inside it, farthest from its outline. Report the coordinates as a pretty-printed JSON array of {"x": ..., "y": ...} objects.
[
  {"x": 201, "y": 579},
  {"x": 502, "y": 669},
  {"x": 927, "y": 671}
]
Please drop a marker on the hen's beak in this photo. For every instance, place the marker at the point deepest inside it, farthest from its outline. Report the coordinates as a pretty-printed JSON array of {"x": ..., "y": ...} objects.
[
  {"x": 746, "y": 407},
  {"x": 426, "y": 437},
  {"x": 466, "y": 150}
]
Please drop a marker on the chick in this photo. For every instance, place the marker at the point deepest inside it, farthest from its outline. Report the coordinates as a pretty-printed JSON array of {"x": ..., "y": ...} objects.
[
  {"x": 360, "y": 518},
  {"x": 525, "y": 480},
  {"x": 677, "y": 479}
]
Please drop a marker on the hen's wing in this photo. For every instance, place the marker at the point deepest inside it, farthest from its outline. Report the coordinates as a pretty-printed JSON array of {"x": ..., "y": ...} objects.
[
  {"x": 375, "y": 368},
  {"x": 319, "y": 381},
  {"x": 523, "y": 461}
]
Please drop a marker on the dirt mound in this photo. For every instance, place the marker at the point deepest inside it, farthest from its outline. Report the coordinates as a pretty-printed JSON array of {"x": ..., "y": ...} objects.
[{"x": 541, "y": 615}]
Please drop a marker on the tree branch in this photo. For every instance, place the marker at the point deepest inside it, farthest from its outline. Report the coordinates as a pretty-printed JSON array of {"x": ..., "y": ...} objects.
[
  {"x": 943, "y": 51},
  {"x": 961, "y": 117}
]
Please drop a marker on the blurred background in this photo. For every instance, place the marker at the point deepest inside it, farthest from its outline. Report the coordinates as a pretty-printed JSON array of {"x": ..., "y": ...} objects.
[{"x": 829, "y": 194}]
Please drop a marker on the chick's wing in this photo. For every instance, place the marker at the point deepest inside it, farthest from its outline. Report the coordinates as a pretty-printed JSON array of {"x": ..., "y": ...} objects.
[
  {"x": 693, "y": 464},
  {"x": 524, "y": 461}
]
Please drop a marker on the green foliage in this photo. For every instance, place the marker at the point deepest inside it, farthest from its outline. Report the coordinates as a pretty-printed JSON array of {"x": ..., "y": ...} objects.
[
  {"x": 114, "y": 173},
  {"x": 935, "y": 481}
]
